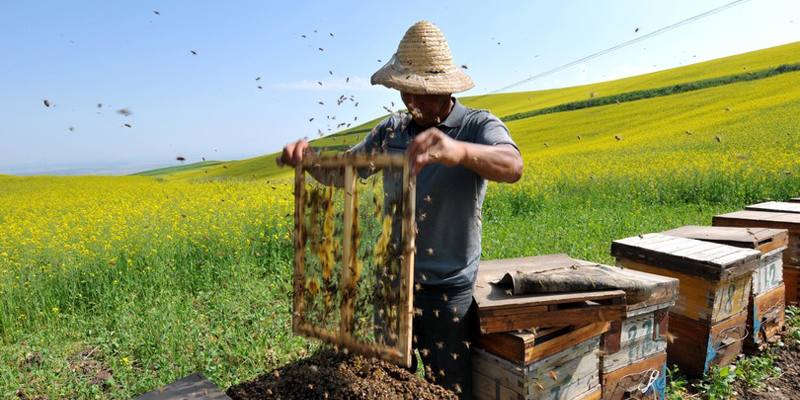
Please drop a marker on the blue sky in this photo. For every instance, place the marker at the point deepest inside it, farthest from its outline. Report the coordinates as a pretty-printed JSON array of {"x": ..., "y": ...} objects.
[{"x": 77, "y": 54}]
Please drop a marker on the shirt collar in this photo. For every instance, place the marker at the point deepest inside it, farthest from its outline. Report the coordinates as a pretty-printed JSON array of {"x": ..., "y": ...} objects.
[{"x": 456, "y": 115}]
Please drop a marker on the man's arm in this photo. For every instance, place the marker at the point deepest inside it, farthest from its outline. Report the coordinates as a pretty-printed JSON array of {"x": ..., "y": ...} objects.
[{"x": 501, "y": 162}]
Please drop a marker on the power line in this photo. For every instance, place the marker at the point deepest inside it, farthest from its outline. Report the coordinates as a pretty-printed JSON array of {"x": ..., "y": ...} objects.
[{"x": 624, "y": 44}]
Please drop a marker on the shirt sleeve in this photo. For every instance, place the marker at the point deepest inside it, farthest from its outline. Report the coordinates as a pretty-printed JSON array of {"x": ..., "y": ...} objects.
[
  {"x": 372, "y": 141},
  {"x": 491, "y": 131}
]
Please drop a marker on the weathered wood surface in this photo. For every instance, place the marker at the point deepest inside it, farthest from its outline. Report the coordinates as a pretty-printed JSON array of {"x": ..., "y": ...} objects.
[
  {"x": 194, "y": 386},
  {"x": 664, "y": 293},
  {"x": 712, "y": 261},
  {"x": 770, "y": 242},
  {"x": 697, "y": 345},
  {"x": 791, "y": 279},
  {"x": 762, "y": 239},
  {"x": 649, "y": 374},
  {"x": 564, "y": 375},
  {"x": 765, "y": 219},
  {"x": 500, "y": 311},
  {"x": 701, "y": 299},
  {"x": 765, "y": 320},
  {"x": 527, "y": 346},
  {"x": 769, "y": 274},
  {"x": 638, "y": 338},
  {"x": 775, "y": 206}
]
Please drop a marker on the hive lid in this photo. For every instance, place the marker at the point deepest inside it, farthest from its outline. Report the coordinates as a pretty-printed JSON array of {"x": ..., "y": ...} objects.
[
  {"x": 775, "y": 206},
  {"x": 717, "y": 262},
  {"x": 762, "y": 239},
  {"x": 664, "y": 293},
  {"x": 763, "y": 219}
]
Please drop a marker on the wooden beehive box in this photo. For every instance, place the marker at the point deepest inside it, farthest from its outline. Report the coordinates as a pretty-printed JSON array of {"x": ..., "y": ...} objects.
[
  {"x": 766, "y": 316},
  {"x": 528, "y": 345},
  {"x": 794, "y": 200},
  {"x": 699, "y": 346},
  {"x": 571, "y": 373},
  {"x": 636, "y": 344},
  {"x": 715, "y": 281},
  {"x": 775, "y": 220},
  {"x": 501, "y": 311}
]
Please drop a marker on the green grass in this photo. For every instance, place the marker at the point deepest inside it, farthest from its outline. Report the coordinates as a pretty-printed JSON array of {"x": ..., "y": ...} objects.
[{"x": 178, "y": 168}]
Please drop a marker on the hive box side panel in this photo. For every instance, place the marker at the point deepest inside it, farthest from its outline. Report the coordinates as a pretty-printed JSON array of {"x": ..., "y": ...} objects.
[
  {"x": 766, "y": 318},
  {"x": 791, "y": 278},
  {"x": 700, "y": 299},
  {"x": 769, "y": 274},
  {"x": 697, "y": 346}
]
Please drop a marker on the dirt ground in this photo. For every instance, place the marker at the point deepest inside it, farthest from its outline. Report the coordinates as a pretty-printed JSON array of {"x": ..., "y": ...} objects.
[
  {"x": 784, "y": 387},
  {"x": 330, "y": 375}
]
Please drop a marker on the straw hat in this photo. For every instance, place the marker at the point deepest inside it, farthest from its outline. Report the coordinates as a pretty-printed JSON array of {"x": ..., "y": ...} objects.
[{"x": 423, "y": 64}]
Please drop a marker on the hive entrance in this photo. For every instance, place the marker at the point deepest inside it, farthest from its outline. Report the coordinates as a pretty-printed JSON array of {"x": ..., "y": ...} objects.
[{"x": 354, "y": 253}]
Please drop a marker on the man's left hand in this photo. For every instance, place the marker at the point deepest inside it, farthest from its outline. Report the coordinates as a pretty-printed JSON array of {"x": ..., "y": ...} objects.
[{"x": 434, "y": 146}]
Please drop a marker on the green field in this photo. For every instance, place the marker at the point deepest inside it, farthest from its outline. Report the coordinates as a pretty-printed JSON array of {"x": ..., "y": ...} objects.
[{"x": 111, "y": 286}]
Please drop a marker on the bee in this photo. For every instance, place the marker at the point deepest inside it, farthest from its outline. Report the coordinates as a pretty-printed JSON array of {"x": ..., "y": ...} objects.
[
  {"x": 310, "y": 119},
  {"x": 441, "y": 372},
  {"x": 618, "y": 137},
  {"x": 457, "y": 388},
  {"x": 156, "y": 12},
  {"x": 444, "y": 297},
  {"x": 718, "y": 139},
  {"x": 71, "y": 129},
  {"x": 258, "y": 78},
  {"x": 464, "y": 66},
  {"x": 456, "y": 319},
  {"x": 319, "y": 83},
  {"x": 330, "y": 72},
  {"x": 418, "y": 311},
  {"x": 440, "y": 345},
  {"x": 427, "y": 198},
  {"x": 180, "y": 158},
  {"x": 303, "y": 36},
  {"x": 320, "y": 103},
  {"x": 466, "y": 344},
  {"x": 436, "y": 313},
  {"x": 329, "y": 33},
  {"x": 454, "y": 355},
  {"x": 194, "y": 53},
  {"x": 429, "y": 251},
  {"x": 579, "y": 137},
  {"x": 259, "y": 87},
  {"x": 127, "y": 125},
  {"x": 124, "y": 112},
  {"x": 553, "y": 374},
  {"x": 321, "y": 49}
]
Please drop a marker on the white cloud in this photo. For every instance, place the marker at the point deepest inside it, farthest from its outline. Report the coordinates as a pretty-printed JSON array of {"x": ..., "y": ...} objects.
[{"x": 356, "y": 83}]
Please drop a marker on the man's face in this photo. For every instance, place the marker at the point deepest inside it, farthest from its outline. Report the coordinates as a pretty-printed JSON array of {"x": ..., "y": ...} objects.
[{"x": 427, "y": 109}]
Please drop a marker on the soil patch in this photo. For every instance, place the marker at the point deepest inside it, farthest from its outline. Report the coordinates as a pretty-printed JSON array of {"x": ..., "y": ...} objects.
[
  {"x": 331, "y": 375},
  {"x": 784, "y": 387}
]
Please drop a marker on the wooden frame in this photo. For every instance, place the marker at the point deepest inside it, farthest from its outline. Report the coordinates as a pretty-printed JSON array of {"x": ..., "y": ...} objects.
[{"x": 349, "y": 163}]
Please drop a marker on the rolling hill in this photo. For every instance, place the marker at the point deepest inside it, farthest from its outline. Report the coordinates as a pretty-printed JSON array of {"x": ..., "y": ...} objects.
[{"x": 723, "y": 118}]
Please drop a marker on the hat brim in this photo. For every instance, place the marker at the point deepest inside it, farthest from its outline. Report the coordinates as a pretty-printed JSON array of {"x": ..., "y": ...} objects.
[{"x": 394, "y": 76}]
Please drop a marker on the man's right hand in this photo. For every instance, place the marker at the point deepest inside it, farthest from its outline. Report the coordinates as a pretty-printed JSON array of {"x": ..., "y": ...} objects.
[{"x": 293, "y": 153}]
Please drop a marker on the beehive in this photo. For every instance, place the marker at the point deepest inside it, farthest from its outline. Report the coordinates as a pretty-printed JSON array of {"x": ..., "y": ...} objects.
[
  {"x": 715, "y": 282},
  {"x": 775, "y": 206},
  {"x": 794, "y": 200},
  {"x": 774, "y": 220},
  {"x": 634, "y": 349},
  {"x": 570, "y": 373},
  {"x": 766, "y": 306}
]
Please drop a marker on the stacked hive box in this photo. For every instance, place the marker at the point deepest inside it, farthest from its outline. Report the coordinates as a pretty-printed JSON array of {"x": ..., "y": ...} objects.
[
  {"x": 794, "y": 200},
  {"x": 775, "y": 220},
  {"x": 708, "y": 321},
  {"x": 519, "y": 355},
  {"x": 766, "y": 307},
  {"x": 634, "y": 358}
]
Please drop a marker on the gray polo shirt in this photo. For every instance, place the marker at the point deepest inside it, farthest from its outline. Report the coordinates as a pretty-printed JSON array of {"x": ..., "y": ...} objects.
[{"x": 449, "y": 199}]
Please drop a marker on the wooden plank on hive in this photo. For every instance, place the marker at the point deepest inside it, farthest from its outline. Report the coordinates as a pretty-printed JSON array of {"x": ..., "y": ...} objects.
[
  {"x": 762, "y": 239},
  {"x": 501, "y": 311},
  {"x": 407, "y": 263},
  {"x": 775, "y": 206},
  {"x": 760, "y": 219},
  {"x": 791, "y": 278},
  {"x": 194, "y": 386},
  {"x": 524, "y": 348},
  {"x": 740, "y": 261}
]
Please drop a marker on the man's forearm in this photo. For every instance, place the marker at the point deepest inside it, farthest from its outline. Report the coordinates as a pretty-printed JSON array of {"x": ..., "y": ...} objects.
[{"x": 501, "y": 163}]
